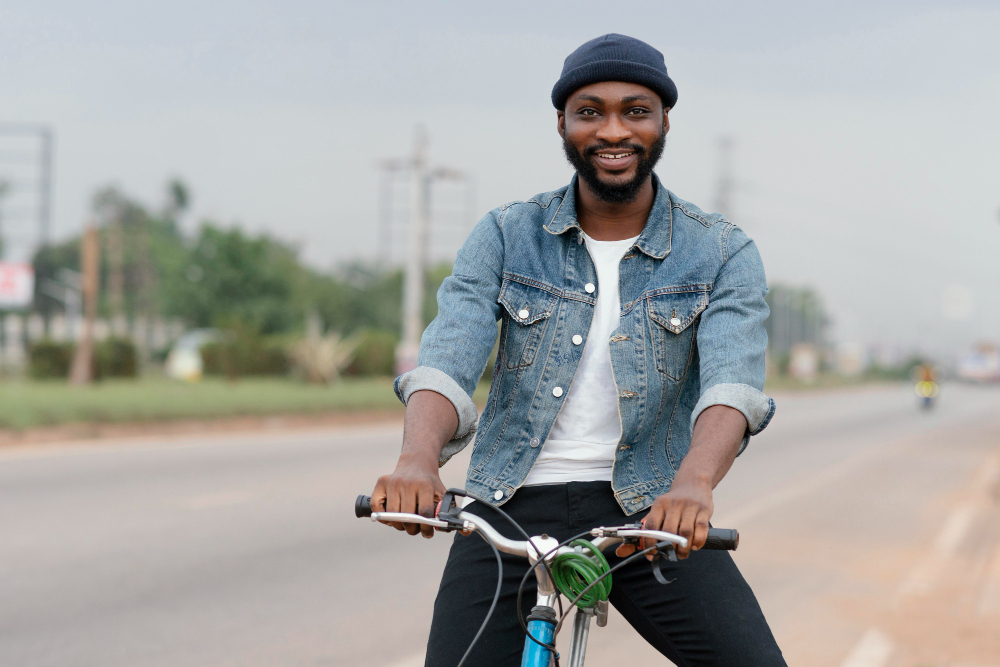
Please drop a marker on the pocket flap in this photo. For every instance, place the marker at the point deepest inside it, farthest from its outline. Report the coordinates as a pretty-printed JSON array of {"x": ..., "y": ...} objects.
[
  {"x": 526, "y": 304},
  {"x": 675, "y": 311}
]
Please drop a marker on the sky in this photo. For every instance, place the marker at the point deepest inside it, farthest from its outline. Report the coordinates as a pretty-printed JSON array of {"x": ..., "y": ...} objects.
[{"x": 866, "y": 147}]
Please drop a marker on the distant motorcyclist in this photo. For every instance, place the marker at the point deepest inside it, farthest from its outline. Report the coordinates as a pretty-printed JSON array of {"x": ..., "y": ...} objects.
[{"x": 927, "y": 387}]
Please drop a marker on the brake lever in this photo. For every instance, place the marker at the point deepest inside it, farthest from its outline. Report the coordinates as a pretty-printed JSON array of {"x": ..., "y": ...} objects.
[{"x": 658, "y": 555}]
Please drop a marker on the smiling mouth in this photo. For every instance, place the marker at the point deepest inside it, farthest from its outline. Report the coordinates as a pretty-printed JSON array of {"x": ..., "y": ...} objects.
[{"x": 615, "y": 156}]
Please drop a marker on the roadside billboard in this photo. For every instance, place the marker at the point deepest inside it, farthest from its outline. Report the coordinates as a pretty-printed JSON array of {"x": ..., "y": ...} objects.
[
  {"x": 981, "y": 364},
  {"x": 17, "y": 285}
]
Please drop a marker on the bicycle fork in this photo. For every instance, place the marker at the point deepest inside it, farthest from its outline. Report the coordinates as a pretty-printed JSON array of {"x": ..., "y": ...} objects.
[{"x": 581, "y": 631}]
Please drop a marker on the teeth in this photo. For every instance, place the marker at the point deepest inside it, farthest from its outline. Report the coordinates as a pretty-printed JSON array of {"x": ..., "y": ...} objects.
[{"x": 613, "y": 157}]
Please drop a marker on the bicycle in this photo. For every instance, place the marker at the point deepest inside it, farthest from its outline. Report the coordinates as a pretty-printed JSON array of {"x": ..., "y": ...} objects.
[{"x": 574, "y": 568}]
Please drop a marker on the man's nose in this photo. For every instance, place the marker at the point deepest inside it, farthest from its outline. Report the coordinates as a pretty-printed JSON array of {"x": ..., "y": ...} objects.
[{"x": 613, "y": 130}]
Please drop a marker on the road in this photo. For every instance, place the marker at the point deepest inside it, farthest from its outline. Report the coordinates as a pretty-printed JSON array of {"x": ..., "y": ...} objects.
[{"x": 870, "y": 533}]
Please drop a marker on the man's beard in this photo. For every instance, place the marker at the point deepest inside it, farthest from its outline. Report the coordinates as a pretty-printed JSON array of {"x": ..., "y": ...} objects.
[{"x": 615, "y": 193}]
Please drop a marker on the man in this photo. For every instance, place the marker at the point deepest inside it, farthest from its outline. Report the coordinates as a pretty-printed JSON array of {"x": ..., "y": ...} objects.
[{"x": 629, "y": 377}]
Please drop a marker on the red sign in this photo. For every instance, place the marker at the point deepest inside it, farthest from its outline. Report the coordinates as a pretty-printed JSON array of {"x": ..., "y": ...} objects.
[{"x": 17, "y": 284}]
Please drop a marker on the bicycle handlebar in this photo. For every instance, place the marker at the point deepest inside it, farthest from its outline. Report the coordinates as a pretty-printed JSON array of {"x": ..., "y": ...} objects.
[
  {"x": 363, "y": 506},
  {"x": 718, "y": 538}
]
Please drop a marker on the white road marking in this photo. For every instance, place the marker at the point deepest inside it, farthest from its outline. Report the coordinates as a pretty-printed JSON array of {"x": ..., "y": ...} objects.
[
  {"x": 925, "y": 573},
  {"x": 412, "y": 661},
  {"x": 955, "y": 528},
  {"x": 874, "y": 650},
  {"x": 988, "y": 476},
  {"x": 989, "y": 599}
]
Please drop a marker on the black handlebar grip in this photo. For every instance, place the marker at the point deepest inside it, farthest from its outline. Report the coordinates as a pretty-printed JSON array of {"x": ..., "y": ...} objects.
[
  {"x": 363, "y": 506},
  {"x": 722, "y": 538}
]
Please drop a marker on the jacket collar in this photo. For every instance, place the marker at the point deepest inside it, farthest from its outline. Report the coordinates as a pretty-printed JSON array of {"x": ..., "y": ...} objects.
[{"x": 656, "y": 235}]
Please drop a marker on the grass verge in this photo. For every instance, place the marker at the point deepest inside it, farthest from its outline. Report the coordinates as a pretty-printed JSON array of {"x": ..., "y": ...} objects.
[{"x": 28, "y": 404}]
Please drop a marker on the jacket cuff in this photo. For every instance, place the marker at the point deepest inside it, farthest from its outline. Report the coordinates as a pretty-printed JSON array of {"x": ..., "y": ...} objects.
[
  {"x": 755, "y": 406},
  {"x": 433, "y": 379}
]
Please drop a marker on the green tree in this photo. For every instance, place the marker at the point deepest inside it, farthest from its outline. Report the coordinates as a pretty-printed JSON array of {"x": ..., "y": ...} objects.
[{"x": 227, "y": 275}]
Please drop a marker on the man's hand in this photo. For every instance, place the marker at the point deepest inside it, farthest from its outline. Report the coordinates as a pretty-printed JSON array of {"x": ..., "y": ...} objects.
[
  {"x": 414, "y": 487},
  {"x": 684, "y": 510}
]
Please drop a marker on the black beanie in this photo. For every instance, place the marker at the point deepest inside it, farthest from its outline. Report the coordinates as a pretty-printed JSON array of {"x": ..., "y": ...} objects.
[{"x": 614, "y": 57}]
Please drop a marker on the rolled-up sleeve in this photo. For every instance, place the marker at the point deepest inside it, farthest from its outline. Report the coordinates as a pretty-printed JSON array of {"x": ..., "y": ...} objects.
[
  {"x": 732, "y": 340},
  {"x": 455, "y": 346}
]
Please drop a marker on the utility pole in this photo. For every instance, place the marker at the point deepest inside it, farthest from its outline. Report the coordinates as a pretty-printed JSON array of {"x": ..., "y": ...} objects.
[
  {"x": 116, "y": 271},
  {"x": 416, "y": 257},
  {"x": 388, "y": 170},
  {"x": 4, "y": 189},
  {"x": 726, "y": 185},
  {"x": 45, "y": 137},
  {"x": 421, "y": 178},
  {"x": 83, "y": 362},
  {"x": 45, "y": 190}
]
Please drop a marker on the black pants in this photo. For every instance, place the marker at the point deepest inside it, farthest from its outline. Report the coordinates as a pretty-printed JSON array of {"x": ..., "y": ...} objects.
[{"x": 707, "y": 616}]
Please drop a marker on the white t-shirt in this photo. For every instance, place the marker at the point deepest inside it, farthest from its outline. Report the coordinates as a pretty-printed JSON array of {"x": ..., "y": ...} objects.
[{"x": 581, "y": 444}]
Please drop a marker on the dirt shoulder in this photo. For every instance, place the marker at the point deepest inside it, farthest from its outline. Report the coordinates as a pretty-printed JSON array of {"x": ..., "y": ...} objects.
[{"x": 283, "y": 422}]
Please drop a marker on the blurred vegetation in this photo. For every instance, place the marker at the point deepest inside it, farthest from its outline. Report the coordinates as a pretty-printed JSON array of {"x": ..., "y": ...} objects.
[
  {"x": 322, "y": 359},
  {"x": 902, "y": 371},
  {"x": 253, "y": 287},
  {"x": 48, "y": 359},
  {"x": 113, "y": 358},
  {"x": 48, "y": 403},
  {"x": 375, "y": 353}
]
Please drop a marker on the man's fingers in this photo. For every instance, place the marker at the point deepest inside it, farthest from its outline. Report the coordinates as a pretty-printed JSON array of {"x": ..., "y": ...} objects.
[
  {"x": 686, "y": 528},
  {"x": 397, "y": 501},
  {"x": 651, "y": 522},
  {"x": 426, "y": 502},
  {"x": 408, "y": 495},
  {"x": 408, "y": 503},
  {"x": 389, "y": 498},
  {"x": 700, "y": 531},
  {"x": 378, "y": 496},
  {"x": 671, "y": 520}
]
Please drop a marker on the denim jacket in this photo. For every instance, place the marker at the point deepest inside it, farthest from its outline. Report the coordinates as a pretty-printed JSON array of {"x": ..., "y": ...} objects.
[{"x": 691, "y": 336}]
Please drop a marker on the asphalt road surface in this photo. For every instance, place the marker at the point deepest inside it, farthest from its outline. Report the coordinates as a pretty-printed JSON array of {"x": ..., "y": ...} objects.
[{"x": 870, "y": 533}]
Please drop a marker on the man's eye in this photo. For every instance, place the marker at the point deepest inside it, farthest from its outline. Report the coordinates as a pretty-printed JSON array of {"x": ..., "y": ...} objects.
[
  {"x": 637, "y": 112},
  {"x": 587, "y": 112}
]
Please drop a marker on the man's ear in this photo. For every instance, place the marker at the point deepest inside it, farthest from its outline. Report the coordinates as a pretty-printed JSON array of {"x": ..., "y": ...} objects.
[
  {"x": 561, "y": 123},
  {"x": 666, "y": 120}
]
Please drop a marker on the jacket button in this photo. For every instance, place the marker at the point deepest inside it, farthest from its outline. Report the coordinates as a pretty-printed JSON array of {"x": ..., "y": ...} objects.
[
  {"x": 589, "y": 288},
  {"x": 535, "y": 442},
  {"x": 557, "y": 391},
  {"x": 676, "y": 321},
  {"x": 577, "y": 339},
  {"x": 498, "y": 495},
  {"x": 523, "y": 313}
]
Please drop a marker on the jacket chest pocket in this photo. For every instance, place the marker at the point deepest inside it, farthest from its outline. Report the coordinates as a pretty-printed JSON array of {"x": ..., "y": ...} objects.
[
  {"x": 528, "y": 310},
  {"x": 673, "y": 322}
]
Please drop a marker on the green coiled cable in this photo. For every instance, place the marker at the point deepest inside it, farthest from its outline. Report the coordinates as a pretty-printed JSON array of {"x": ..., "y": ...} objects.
[{"x": 572, "y": 572}]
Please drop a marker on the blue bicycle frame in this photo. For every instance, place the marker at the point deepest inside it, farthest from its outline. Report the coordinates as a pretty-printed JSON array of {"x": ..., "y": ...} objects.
[{"x": 544, "y": 630}]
